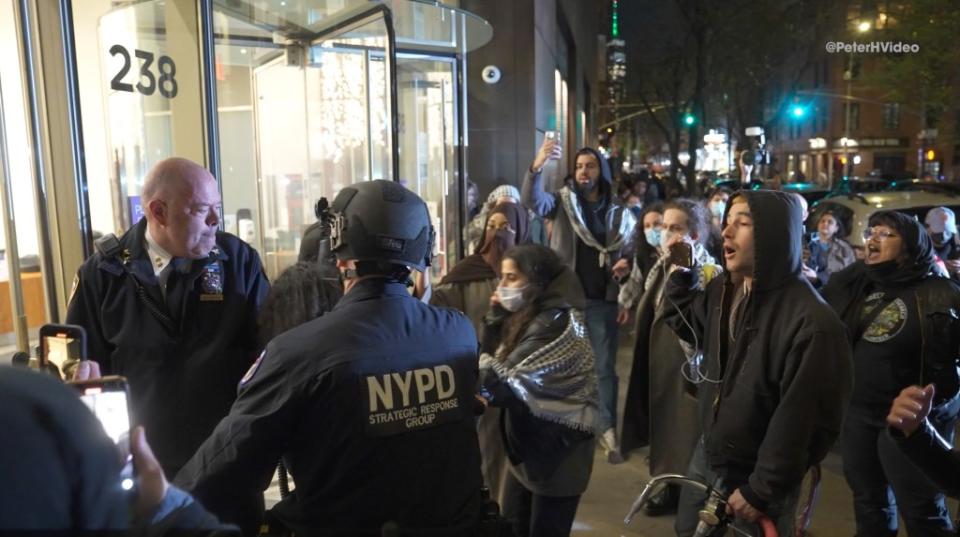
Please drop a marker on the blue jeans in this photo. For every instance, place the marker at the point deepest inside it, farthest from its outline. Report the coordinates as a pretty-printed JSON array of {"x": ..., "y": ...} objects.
[
  {"x": 781, "y": 512},
  {"x": 602, "y": 329},
  {"x": 885, "y": 483}
]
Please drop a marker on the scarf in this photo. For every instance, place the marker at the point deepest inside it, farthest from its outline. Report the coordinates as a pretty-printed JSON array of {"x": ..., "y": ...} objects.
[
  {"x": 557, "y": 382},
  {"x": 572, "y": 207},
  {"x": 850, "y": 287},
  {"x": 485, "y": 263}
]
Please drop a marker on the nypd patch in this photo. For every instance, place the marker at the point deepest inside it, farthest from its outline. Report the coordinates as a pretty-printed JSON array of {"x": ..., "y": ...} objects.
[{"x": 403, "y": 401}]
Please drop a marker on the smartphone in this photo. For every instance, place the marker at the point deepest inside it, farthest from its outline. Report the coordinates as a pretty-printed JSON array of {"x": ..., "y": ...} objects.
[
  {"x": 551, "y": 135},
  {"x": 61, "y": 342},
  {"x": 681, "y": 255},
  {"x": 109, "y": 400}
]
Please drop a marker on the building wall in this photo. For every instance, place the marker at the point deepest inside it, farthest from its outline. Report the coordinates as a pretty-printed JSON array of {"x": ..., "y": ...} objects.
[
  {"x": 506, "y": 120},
  {"x": 832, "y": 94}
]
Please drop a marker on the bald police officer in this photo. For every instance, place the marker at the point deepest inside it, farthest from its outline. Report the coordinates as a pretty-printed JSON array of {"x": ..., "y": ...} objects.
[
  {"x": 370, "y": 405},
  {"x": 172, "y": 306}
]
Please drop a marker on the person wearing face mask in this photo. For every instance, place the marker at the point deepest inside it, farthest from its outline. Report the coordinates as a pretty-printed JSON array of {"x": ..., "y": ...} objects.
[
  {"x": 475, "y": 231},
  {"x": 467, "y": 288},
  {"x": 592, "y": 233},
  {"x": 942, "y": 227},
  {"x": 660, "y": 358},
  {"x": 716, "y": 204},
  {"x": 829, "y": 252},
  {"x": 901, "y": 320},
  {"x": 536, "y": 364}
]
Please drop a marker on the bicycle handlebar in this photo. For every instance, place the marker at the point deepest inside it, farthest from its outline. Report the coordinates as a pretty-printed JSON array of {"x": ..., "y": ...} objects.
[{"x": 656, "y": 482}]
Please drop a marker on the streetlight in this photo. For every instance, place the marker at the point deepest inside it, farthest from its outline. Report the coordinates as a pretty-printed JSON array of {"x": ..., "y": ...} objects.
[{"x": 863, "y": 27}]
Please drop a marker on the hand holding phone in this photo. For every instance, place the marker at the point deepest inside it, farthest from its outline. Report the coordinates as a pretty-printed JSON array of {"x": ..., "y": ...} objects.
[
  {"x": 60, "y": 343},
  {"x": 108, "y": 399},
  {"x": 681, "y": 254}
]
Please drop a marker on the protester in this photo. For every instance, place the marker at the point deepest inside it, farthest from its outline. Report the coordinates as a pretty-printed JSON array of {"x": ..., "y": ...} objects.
[
  {"x": 912, "y": 432},
  {"x": 467, "y": 288},
  {"x": 663, "y": 359},
  {"x": 901, "y": 321},
  {"x": 942, "y": 227},
  {"x": 537, "y": 365},
  {"x": 593, "y": 234},
  {"x": 301, "y": 293},
  {"x": 475, "y": 230},
  {"x": 636, "y": 412},
  {"x": 717, "y": 205},
  {"x": 829, "y": 251},
  {"x": 774, "y": 380}
]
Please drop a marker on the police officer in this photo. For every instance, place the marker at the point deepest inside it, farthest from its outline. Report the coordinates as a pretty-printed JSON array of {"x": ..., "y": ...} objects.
[
  {"x": 370, "y": 405},
  {"x": 172, "y": 306}
]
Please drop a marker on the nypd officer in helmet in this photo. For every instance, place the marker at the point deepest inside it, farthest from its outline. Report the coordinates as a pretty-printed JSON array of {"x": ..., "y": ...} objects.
[{"x": 370, "y": 405}]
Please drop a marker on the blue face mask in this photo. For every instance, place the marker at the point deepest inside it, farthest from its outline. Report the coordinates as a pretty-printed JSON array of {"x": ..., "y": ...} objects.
[
  {"x": 653, "y": 236},
  {"x": 717, "y": 208}
]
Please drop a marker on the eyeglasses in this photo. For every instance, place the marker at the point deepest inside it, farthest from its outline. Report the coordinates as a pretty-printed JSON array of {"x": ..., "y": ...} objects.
[{"x": 880, "y": 234}]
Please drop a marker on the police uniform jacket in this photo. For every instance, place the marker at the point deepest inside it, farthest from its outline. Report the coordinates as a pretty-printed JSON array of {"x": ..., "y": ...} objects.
[
  {"x": 182, "y": 381},
  {"x": 370, "y": 406}
]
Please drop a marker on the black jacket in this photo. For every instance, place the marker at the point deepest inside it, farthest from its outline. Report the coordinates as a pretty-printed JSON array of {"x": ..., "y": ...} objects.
[
  {"x": 938, "y": 303},
  {"x": 545, "y": 449},
  {"x": 932, "y": 455},
  {"x": 61, "y": 472},
  {"x": 786, "y": 382},
  {"x": 371, "y": 408},
  {"x": 181, "y": 383}
]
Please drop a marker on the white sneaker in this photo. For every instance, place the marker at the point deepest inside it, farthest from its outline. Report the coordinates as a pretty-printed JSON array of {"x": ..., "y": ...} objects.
[{"x": 609, "y": 443}]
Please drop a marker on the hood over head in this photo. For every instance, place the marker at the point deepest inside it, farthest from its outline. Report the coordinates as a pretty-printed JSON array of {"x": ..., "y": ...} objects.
[
  {"x": 777, "y": 237},
  {"x": 606, "y": 176}
]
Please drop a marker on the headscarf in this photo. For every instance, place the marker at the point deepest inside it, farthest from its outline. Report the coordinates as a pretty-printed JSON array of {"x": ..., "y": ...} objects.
[
  {"x": 918, "y": 260},
  {"x": 849, "y": 287},
  {"x": 485, "y": 264}
]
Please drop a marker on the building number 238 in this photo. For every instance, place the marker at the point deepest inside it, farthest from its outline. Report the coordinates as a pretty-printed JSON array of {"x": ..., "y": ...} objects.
[{"x": 149, "y": 83}]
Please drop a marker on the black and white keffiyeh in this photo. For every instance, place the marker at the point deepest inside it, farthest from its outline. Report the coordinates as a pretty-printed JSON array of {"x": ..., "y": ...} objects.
[{"x": 557, "y": 382}]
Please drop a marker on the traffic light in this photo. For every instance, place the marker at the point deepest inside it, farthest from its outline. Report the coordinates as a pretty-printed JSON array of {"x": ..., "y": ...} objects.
[
  {"x": 689, "y": 119},
  {"x": 931, "y": 155},
  {"x": 798, "y": 111}
]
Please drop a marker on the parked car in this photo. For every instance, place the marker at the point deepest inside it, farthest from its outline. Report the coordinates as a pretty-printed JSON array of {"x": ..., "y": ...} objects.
[
  {"x": 812, "y": 192},
  {"x": 929, "y": 186},
  {"x": 854, "y": 210}
]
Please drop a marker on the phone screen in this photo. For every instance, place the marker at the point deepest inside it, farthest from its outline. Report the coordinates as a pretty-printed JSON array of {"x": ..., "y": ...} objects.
[
  {"x": 110, "y": 406},
  {"x": 60, "y": 347}
]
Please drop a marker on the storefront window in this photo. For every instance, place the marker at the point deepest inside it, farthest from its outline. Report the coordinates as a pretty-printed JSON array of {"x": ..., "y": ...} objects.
[
  {"x": 139, "y": 81},
  {"x": 15, "y": 156}
]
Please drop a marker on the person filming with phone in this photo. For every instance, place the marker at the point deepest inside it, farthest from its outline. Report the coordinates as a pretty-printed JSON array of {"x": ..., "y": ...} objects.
[
  {"x": 172, "y": 306},
  {"x": 776, "y": 372},
  {"x": 593, "y": 234},
  {"x": 672, "y": 369}
]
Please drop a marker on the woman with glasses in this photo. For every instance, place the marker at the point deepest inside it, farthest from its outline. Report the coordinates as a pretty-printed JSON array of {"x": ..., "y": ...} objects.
[
  {"x": 829, "y": 252},
  {"x": 536, "y": 364},
  {"x": 901, "y": 316}
]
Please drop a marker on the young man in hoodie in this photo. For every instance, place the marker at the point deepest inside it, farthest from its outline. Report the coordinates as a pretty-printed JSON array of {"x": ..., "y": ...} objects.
[
  {"x": 776, "y": 370},
  {"x": 592, "y": 234}
]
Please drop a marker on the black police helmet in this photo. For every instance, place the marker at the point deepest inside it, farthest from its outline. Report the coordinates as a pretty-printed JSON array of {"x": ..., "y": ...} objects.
[{"x": 384, "y": 222}]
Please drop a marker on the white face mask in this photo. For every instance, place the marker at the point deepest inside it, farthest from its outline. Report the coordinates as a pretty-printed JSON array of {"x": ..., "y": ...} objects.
[
  {"x": 511, "y": 298},
  {"x": 653, "y": 236},
  {"x": 717, "y": 208}
]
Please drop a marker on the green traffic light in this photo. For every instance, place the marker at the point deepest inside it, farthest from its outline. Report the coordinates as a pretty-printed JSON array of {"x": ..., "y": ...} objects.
[
  {"x": 798, "y": 112},
  {"x": 689, "y": 119}
]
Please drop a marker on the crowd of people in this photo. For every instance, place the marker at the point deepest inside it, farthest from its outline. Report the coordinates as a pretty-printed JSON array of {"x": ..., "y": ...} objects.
[{"x": 474, "y": 406}]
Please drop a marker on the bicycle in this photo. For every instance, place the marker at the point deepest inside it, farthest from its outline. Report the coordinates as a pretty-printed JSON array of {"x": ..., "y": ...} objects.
[{"x": 714, "y": 519}]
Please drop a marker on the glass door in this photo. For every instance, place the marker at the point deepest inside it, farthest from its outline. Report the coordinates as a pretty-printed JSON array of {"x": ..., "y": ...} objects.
[
  {"x": 427, "y": 144},
  {"x": 300, "y": 118},
  {"x": 22, "y": 308}
]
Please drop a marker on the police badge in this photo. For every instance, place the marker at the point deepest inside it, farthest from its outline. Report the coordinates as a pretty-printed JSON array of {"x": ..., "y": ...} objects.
[{"x": 211, "y": 283}]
